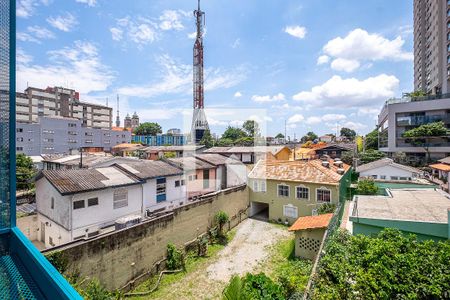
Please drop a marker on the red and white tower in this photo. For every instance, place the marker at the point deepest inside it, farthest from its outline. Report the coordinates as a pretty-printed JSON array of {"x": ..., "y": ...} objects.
[{"x": 199, "y": 122}]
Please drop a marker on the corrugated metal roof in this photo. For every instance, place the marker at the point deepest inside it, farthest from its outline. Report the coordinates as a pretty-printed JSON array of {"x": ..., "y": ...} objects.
[
  {"x": 217, "y": 159},
  {"x": 145, "y": 169},
  {"x": 298, "y": 171},
  {"x": 83, "y": 180},
  {"x": 172, "y": 148},
  {"x": 386, "y": 162},
  {"x": 190, "y": 163},
  {"x": 255, "y": 149}
]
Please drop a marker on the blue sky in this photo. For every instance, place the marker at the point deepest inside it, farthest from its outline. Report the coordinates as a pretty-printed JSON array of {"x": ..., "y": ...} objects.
[{"x": 313, "y": 65}]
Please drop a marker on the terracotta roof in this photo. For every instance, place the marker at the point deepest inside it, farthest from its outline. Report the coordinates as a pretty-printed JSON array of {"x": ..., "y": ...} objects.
[
  {"x": 127, "y": 146},
  {"x": 442, "y": 167},
  {"x": 298, "y": 171},
  {"x": 255, "y": 149},
  {"x": 311, "y": 222}
]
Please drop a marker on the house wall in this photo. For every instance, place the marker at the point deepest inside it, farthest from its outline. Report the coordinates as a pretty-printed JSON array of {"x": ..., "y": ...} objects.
[
  {"x": 284, "y": 154},
  {"x": 307, "y": 242},
  {"x": 120, "y": 256},
  {"x": 236, "y": 174},
  {"x": 423, "y": 230},
  {"x": 51, "y": 233},
  {"x": 29, "y": 225},
  {"x": 91, "y": 219},
  {"x": 276, "y": 203},
  {"x": 196, "y": 186},
  {"x": 174, "y": 195},
  {"x": 60, "y": 214},
  {"x": 387, "y": 171}
]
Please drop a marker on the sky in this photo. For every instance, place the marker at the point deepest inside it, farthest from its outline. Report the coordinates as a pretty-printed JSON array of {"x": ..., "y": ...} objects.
[{"x": 294, "y": 65}]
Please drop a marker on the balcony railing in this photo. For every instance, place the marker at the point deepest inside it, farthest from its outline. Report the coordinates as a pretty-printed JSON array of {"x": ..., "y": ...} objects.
[{"x": 414, "y": 99}]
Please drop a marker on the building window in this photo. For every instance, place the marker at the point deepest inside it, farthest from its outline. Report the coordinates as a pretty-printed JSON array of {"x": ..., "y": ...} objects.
[
  {"x": 19, "y": 139},
  {"x": 18, "y": 130},
  {"x": 290, "y": 211},
  {"x": 52, "y": 203},
  {"x": 19, "y": 148},
  {"x": 403, "y": 178},
  {"x": 192, "y": 177},
  {"x": 374, "y": 176},
  {"x": 383, "y": 177},
  {"x": 72, "y": 125},
  {"x": 183, "y": 182},
  {"x": 255, "y": 186},
  {"x": 177, "y": 183},
  {"x": 323, "y": 195},
  {"x": 394, "y": 178},
  {"x": 302, "y": 193},
  {"x": 283, "y": 190},
  {"x": 78, "y": 204},
  {"x": 50, "y": 241},
  {"x": 92, "y": 201},
  {"x": 160, "y": 190},
  {"x": 120, "y": 198}
]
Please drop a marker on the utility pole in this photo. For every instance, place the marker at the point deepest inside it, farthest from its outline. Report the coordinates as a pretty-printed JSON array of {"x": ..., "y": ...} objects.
[{"x": 285, "y": 131}]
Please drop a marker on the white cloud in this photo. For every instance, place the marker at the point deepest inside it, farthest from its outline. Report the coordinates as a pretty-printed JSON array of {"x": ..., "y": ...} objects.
[
  {"x": 296, "y": 31},
  {"x": 313, "y": 120},
  {"x": 297, "y": 118},
  {"x": 237, "y": 94},
  {"x": 88, "y": 2},
  {"x": 333, "y": 117},
  {"x": 78, "y": 66},
  {"x": 25, "y": 8},
  {"x": 354, "y": 125},
  {"x": 65, "y": 22},
  {"x": 323, "y": 59},
  {"x": 348, "y": 93},
  {"x": 41, "y": 32},
  {"x": 26, "y": 37},
  {"x": 142, "y": 34},
  {"x": 117, "y": 33},
  {"x": 343, "y": 64},
  {"x": 22, "y": 57},
  {"x": 359, "y": 45},
  {"x": 177, "y": 78},
  {"x": 268, "y": 98},
  {"x": 172, "y": 19}
]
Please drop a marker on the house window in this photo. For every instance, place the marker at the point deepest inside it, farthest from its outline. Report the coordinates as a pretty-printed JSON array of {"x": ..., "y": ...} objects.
[
  {"x": 50, "y": 241},
  {"x": 160, "y": 190},
  {"x": 183, "y": 182},
  {"x": 206, "y": 179},
  {"x": 302, "y": 192},
  {"x": 78, "y": 204},
  {"x": 52, "y": 204},
  {"x": 290, "y": 211},
  {"x": 403, "y": 178},
  {"x": 192, "y": 177},
  {"x": 383, "y": 177},
  {"x": 177, "y": 183},
  {"x": 18, "y": 130},
  {"x": 283, "y": 190},
  {"x": 374, "y": 176},
  {"x": 120, "y": 198},
  {"x": 92, "y": 201},
  {"x": 394, "y": 178},
  {"x": 255, "y": 186},
  {"x": 323, "y": 195}
]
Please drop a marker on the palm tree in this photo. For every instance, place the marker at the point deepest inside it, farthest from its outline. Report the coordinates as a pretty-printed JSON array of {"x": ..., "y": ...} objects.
[{"x": 233, "y": 291}]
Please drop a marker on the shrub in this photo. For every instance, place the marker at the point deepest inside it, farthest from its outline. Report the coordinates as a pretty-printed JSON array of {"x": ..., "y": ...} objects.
[
  {"x": 175, "y": 259},
  {"x": 220, "y": 219},
  {"x": 326, "y": 208},
  {"x": 366, "y": 187},
  {"x": 260, "y": 286}
]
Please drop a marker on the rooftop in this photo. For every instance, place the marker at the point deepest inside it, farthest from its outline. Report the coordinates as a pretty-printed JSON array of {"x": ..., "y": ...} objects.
[
  {"x": 442, "y": 167},
  {"x": 311, "y": 222},
  {"x": 445, "y": 160},
  {"x": 255, "y": 149},
  {"x": 172, "y": 148},
  {"x": 421, "y": 205},
  {"x": 386, "y": 162},
  {"x": 298, "y": 171},
  {"x": 217, "y": 159},
  {"x": 84, "y": 180},
  {"x": 146, "y": 169},
  {"x": 190, "y": 163}
]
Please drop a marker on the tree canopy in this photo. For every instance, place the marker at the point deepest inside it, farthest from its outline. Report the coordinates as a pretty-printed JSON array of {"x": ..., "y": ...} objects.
[
  {"x": 390, "y": 265},
  {"x": 279, "y": 136},
  {"x": 427, "y": 130},
  {"x": 148, "y": 128},
  {"x": 372, "y": 140},
  {"x": 310, "y": 136},
  {"x": 366, "y": 187},
  {"x": 370, "y": 156},
  {"x": 207, "y": 139},
  {"x": 251, "y": 128},
  {"x": 348, "y": 133},
  {"x": 25, "y": 172}
]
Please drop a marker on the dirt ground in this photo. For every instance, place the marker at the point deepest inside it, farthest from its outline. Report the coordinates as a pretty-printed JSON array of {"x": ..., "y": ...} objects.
[{"x": 247, "y": 252}]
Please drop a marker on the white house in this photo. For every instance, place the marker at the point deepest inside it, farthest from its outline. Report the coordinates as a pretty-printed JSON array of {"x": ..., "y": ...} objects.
[
  {"x": 82, "y": 203},
  {"x": 164, "y": 185},
  {"x": 386, "y": 169},
  {"x": 74, "y": 204}
]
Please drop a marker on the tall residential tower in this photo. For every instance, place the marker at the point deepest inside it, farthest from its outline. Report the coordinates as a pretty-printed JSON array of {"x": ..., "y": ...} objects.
[
  {"x": 432, "y": 46},
  {"x": 199, "y": 122}
]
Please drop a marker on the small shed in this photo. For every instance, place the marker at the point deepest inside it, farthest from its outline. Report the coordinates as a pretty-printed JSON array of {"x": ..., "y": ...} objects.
[{"x": 309, "y": 232}]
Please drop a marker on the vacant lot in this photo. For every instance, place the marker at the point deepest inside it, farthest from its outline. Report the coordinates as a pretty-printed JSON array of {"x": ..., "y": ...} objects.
[{"x": 250, "y": 250}]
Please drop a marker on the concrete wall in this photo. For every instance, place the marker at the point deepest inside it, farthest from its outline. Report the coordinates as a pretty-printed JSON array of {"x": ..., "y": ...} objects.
[
  {"x": 121, "y": 256},
  {"x": 307, "y": 242},
  {"x": 28, "y": 225},
  {"x": 276, "y": 203}
]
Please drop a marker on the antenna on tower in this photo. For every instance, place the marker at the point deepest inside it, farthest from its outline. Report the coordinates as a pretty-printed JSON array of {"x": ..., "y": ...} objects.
[{"x": 118, "y": 114}]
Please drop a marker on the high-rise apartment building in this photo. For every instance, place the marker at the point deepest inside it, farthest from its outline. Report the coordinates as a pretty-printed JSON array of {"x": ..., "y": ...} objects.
[
  {"x": 432, "y": 46},
  {"x": 60, "y": 102}
]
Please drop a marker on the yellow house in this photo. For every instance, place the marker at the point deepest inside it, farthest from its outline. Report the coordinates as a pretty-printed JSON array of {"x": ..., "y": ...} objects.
[{"x": 282, "y": 191}]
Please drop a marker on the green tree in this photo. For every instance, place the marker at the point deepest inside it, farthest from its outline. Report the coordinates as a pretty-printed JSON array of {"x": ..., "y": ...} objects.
[
  {"x": 310, "y": 136},
  {"x": 370, "y": 156},
  {"x": 244, "y": 141},
  {"x": 347, "y": 157},
  {"x": 221, "y": 218},
  {"x": 251, "y": 128},
  {"x": 261, "y": 287},
  {"x": 234, "y": 291},
  {"x": 366, "y": 187},
  {"x": 348, "y": 133},
  {"x": 416, "y": 94},
  {"x": 421, "y": 135},
  {"x": 224, "y": 142},
  {"x": 371, "y": 140},
  {"x": 400, "y": 158},
  {"x": 233, "y": 133},
  {"x": 148, "y": 128},
  {"x": 279, "y": 136},
  {"x": 207, "y": 139},
  {"x": 25, "y": 172}
]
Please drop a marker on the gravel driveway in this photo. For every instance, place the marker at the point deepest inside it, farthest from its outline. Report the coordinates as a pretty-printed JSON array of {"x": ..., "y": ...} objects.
[{"x": 248, "y": 249}]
